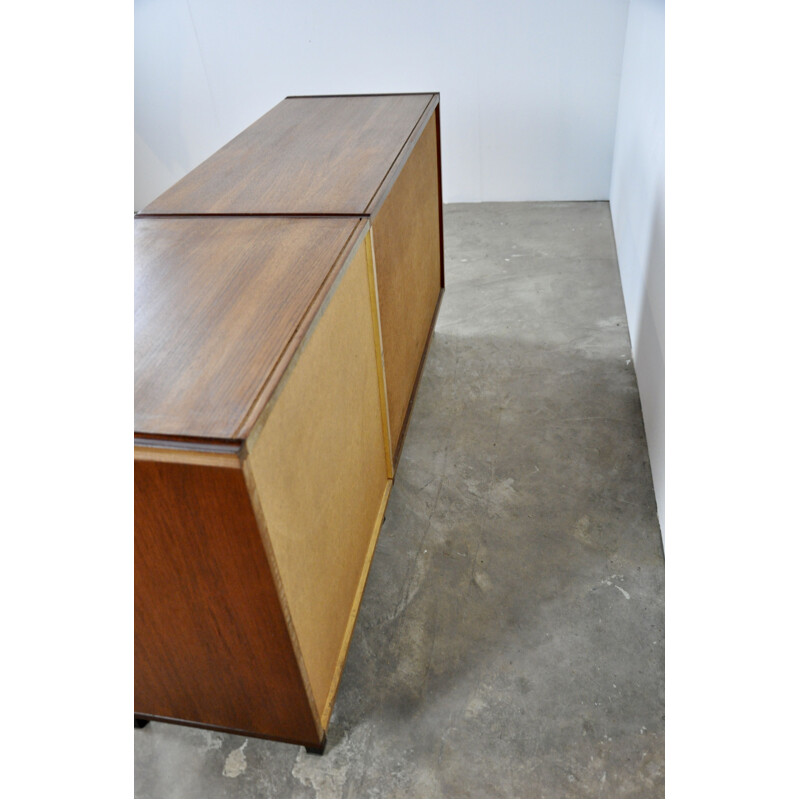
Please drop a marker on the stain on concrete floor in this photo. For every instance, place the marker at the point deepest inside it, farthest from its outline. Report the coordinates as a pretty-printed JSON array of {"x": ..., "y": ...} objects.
[{"x": 510, "y": 641}]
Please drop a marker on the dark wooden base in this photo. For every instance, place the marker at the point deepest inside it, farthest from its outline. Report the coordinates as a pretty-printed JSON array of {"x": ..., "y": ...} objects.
[{"x": 319, "y": 750}]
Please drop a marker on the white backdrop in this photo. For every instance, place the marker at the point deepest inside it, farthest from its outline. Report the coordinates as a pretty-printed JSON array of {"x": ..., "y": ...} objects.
[
  {"x": 529, "y": 88},
  {"x": 637, "y": 210}
]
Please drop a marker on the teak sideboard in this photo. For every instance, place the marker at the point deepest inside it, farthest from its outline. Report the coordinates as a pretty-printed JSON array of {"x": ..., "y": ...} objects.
[{"x": 285, "y": 295}]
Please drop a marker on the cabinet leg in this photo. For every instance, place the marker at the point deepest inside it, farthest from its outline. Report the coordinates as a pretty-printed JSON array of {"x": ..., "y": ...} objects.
[
  {"x": 139, "y": 722},
  {"x": 319, "y": 749}
]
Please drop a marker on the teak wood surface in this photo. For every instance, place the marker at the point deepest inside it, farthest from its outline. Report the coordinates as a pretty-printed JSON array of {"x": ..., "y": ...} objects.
[
  {"x": 219, "y": 304},
  {"x": 211, "y": 641},
  {"x": 286, "y": 292},
  {"x": 308, "y": 155}
]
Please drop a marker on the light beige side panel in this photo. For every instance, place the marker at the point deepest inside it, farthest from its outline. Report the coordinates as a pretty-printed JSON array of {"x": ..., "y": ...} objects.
[
  {"x": 407, "y": 262},
  {"x": 319, "y": 469}
]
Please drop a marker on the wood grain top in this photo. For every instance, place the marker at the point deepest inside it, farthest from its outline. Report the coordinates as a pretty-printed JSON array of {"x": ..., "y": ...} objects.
[
  {"x": 308, "y": 155},
  {"x": 221, "y": 305}
]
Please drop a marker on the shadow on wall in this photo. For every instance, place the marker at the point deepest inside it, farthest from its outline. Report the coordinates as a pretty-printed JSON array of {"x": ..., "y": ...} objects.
[{"x": 649, "y": 350}]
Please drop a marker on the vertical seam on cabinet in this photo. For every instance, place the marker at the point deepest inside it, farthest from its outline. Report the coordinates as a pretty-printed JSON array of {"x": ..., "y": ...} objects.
[
  {"x": 342, "y": 658},
  {"x": 372, "y": 279},
  {"x": 437, "y": 113}
]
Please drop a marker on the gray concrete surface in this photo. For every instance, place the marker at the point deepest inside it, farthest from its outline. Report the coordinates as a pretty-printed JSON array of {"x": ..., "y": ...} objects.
[{"x": 511, "y": 638}]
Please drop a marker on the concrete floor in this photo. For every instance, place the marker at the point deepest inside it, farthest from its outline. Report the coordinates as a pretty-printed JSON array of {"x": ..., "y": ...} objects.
[{"x": 511, "y": 637}]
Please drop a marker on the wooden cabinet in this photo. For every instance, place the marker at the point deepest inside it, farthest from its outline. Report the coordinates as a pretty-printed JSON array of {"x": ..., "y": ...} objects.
[{"x": 286, "y": 291}]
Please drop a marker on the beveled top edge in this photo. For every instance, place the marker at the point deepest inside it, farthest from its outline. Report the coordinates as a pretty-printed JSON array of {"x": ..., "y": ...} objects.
[
  {"x": 245, "y": 214},
  {"x": 205, "y": 444},
  {"x": 361, "y": 94},
  {"x": 187, "y": 452}
]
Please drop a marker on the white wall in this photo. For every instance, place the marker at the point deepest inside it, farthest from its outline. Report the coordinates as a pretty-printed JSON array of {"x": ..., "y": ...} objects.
[
  {"x": 529, "y": 88},
  {"x": 637, "y": 211}
]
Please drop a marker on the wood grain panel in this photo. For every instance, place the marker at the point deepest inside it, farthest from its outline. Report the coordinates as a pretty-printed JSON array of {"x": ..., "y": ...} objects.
[
  {"x": 219, "y": 303},
  {"x": 211, "y": 643},
  {"x": 406, "y": 238},
  {"x": 319, "y": 469},
  {"x": 308, "y": 155}
]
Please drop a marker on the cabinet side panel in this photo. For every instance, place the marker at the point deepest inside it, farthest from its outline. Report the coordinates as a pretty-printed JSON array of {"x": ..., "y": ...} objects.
[
  {"x": 407, "y": 244},
  {"x": 320, "y": 473},
  {"x": 211, "y": 644}
]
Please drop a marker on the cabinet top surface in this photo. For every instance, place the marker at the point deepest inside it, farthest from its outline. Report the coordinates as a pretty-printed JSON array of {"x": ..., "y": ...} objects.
[
  {"x": 308, "y": 155},
  {"x": 220, "y": 306}
]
